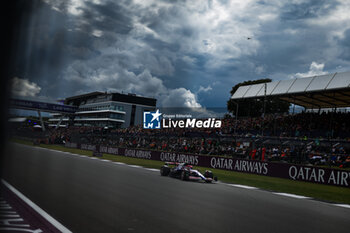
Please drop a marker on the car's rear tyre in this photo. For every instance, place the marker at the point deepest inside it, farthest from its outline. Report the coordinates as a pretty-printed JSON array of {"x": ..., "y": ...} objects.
[
  {"x": 184, "y": 175},
  {"x": 164, "y": 171}
]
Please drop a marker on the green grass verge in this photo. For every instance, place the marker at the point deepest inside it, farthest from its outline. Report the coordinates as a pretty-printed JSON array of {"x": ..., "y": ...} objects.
[{"x": 317, "y": 191}]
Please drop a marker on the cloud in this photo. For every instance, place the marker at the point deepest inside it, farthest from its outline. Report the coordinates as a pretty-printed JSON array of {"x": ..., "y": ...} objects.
[
  {"x": 24, "y": 88},
  {"x": 159, "y": 48},
  {"x": 315, "y": 69},
  {"x": 97, "y": 33},
  {"x": 115, "y": 78},
  {"x": 216, "y": 29},
  {"x": 189, "y": 60},
  {"x": 344, "y": 43},
  {"x": 179, "y": 97},
  {"x": 334, "y": 16},
  {"x": 204, "y": 89}
]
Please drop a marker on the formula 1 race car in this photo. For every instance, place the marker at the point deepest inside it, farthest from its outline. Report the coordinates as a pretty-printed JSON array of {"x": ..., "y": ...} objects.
[{"x": 185, "y": 171}]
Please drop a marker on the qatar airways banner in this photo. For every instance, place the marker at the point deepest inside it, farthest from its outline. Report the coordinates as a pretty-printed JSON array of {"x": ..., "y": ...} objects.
[{"x": 282, "y": 170}]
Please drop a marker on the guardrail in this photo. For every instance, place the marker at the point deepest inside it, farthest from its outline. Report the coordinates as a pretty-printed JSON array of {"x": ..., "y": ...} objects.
[{"x": 326, "y": 176}]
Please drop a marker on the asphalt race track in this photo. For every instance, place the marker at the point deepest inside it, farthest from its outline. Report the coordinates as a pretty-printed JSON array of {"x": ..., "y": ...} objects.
[{"x": 88, "y": 195}]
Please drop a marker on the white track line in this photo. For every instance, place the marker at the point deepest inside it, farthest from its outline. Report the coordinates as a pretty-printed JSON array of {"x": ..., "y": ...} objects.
[
  {"x": 342, "y": 205},
  {"x": 137, "y": 166},
  {"x": 119, "y": 163},
  {"x": 292, "y": 195},
  {"x": 40, "y": 211},
  {"x": 242, "y": 186},
  {"x": 152, "y": 169}
]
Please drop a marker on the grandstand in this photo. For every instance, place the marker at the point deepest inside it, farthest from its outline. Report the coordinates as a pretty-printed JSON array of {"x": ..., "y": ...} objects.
[
  {"x": 331, "y": 91},
  {"x": 317, "y": 92},
  {"x": 307, "y": 137}
]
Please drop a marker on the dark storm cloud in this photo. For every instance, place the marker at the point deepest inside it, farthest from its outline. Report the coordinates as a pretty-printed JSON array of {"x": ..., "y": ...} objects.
[
  {"x": 292, "y": 43},
  {"x": 111, "y": 17},
  {"x": 307, "y": 9},
  {"x": 41, "y": 50},
  {"x": 345, "y": 44},
  {"x": 193, "y": 50}
]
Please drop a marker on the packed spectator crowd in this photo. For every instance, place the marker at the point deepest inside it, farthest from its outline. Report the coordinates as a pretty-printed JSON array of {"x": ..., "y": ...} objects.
[
  {"x": 326, "y": 125},
  {"x": 307, "y": 127}
]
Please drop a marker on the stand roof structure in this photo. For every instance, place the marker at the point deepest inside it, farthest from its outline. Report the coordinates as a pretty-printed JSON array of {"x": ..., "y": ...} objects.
[{"x": 323, "y": 91}]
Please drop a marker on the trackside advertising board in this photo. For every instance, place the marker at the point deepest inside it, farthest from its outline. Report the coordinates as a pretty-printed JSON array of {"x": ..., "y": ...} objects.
[
  {"x": 312, "y": 174},
  {"x": 48, "y": 107}
]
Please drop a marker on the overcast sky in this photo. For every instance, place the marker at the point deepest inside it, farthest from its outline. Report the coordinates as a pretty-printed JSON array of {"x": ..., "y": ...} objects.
[{"x": 184, "y": 53}]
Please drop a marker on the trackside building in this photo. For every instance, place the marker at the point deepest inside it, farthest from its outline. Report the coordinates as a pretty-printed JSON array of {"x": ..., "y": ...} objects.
[{"x": 101, "y": 109}]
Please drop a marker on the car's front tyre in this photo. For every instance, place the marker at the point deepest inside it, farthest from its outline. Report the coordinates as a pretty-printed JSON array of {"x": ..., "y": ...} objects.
[{"x": 208, "y": 174}]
